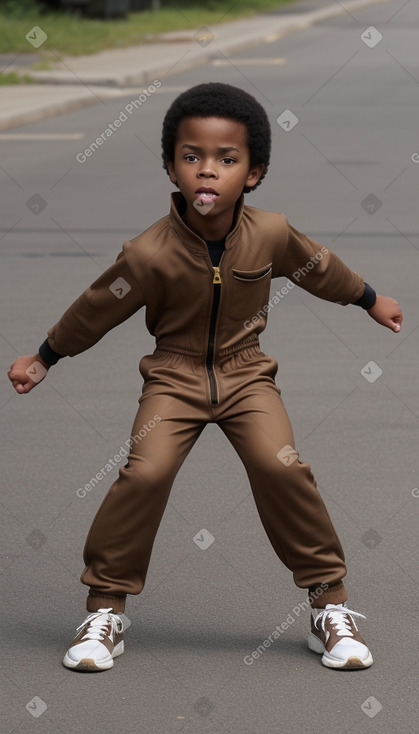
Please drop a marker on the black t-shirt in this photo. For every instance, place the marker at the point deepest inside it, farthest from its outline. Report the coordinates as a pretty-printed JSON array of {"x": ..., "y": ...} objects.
[{"x": 216, "y": 249}]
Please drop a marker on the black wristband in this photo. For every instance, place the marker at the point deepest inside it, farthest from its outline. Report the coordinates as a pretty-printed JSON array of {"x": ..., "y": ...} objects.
[
  {"x": 48, "y": 355},
  {"x": 368, "y": 297}
]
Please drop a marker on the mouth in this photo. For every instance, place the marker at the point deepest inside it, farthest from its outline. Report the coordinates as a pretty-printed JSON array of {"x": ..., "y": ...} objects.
[{"x": 206, "y": 195}]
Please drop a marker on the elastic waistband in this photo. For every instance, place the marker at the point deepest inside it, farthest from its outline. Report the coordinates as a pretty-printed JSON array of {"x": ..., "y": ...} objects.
[{"x": 250, "y": 341}]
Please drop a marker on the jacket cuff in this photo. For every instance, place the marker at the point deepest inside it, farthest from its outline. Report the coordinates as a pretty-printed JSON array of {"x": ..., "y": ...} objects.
[
  {"x": 368, "y": 298},
  {"x": 48, "y": 355}
]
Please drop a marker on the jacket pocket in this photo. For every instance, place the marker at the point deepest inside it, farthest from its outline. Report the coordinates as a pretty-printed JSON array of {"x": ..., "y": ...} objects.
[{"x": 249, "y": 292}]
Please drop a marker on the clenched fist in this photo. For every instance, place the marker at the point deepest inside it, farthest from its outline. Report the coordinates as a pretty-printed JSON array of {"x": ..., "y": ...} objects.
[{"x": 26, "y": 372}]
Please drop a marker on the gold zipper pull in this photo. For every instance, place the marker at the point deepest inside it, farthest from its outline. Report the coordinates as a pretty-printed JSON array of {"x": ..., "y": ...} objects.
[{"x": 217, "y": 276}]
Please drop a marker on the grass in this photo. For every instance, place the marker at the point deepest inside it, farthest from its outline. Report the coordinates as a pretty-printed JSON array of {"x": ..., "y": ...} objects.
[
  {"x": 74, "y": 34},
  {"x": 13, "y": 78}
]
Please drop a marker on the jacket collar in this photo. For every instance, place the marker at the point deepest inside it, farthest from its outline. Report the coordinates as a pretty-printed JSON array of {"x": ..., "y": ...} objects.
[{"x": 190, "y": 238}]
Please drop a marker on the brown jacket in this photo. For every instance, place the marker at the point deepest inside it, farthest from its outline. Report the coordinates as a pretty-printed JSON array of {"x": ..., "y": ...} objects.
[{"x": 168, "y": 270}]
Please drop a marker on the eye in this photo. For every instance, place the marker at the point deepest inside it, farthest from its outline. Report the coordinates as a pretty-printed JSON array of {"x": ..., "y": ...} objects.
[
  {"x": 228, "y": 161},
  {"x": 190, "y": 156}
]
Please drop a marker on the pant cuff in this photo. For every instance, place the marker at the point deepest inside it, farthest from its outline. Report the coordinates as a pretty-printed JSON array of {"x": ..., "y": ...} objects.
[
  {"x": 334, "y": 594},
  {"x": 95, "y": 602}
]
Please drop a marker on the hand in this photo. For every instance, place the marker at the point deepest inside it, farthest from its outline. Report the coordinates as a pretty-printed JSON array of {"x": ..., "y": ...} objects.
[
  {"x": 386, "y": 311},
  {"x": 22, "y": 369}
]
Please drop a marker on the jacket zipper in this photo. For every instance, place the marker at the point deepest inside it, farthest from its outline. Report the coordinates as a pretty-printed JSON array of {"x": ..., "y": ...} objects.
[{"x": 211, "y": 337}]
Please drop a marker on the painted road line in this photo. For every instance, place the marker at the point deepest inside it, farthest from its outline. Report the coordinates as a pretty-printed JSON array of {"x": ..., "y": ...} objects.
[
  {"x": 249, "y": 62},
  {"x": 46, "y": 137}
]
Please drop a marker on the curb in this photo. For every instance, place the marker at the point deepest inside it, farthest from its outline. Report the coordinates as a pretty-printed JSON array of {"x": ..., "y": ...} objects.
[
  {"x": 223, "y": 41},
  {"x": 198, "y": 55},
  {"x": 78, "y": 97}
]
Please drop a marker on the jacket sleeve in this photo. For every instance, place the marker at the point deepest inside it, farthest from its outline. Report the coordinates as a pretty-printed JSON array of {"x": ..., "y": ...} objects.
[
  {"x": 318, "y": 270},
  {"x": 109, "y": 301}
]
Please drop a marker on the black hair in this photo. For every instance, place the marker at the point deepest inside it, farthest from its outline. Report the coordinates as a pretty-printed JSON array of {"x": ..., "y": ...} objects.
[{"x": 220, "y": 100}]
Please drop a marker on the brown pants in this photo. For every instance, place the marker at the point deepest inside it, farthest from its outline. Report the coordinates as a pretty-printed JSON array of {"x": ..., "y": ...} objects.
[{"x": 251, "y": 414}]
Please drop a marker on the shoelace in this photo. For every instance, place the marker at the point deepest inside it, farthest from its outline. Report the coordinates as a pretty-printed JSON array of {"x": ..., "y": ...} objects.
[
  {"x": 98, "y": 623},
  {"x": 338, "y": 619}
]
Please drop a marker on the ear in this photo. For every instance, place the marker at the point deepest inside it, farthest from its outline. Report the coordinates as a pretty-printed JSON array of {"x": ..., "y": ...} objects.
[
  {"x": 255, "y": 174},
  {"x": 171, "y": 169}
]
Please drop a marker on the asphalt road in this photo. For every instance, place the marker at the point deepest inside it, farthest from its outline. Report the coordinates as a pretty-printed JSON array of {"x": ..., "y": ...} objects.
[{"x": 347, "y": 174}]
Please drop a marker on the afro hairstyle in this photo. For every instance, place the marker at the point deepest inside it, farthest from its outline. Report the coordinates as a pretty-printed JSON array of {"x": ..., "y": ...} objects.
[{"x": 220, "y": 100}]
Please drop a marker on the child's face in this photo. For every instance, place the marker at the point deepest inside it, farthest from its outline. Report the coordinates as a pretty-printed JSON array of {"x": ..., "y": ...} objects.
[{"x": 212, "y": 154}]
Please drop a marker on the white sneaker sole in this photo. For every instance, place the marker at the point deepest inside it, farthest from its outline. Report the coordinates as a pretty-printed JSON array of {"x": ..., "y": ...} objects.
[
  {"x": 351, "y": 663},
  {"x": 89, "y": 665}
]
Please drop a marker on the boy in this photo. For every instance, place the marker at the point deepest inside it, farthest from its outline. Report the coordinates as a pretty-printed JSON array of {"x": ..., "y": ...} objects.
[{"x": 204, "y": 272}]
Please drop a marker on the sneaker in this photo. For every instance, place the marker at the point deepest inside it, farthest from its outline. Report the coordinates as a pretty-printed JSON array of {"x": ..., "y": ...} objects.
[
  {"x": 335, "y": 635},
  {"x": 99, "y": 640}
]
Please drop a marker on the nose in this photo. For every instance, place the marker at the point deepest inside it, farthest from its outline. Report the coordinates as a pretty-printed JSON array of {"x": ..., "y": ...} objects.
[{"x": 207, "y": 170}]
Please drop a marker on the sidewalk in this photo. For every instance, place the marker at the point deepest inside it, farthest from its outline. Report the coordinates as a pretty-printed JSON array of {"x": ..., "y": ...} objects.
[{"x": 82, "y": 80}]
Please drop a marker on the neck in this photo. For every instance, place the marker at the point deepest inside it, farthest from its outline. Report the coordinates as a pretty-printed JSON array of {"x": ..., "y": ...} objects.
[{"x": 207, "y": 229}]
